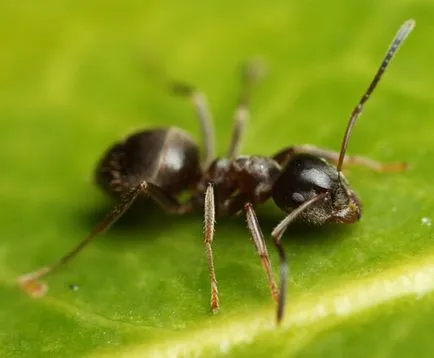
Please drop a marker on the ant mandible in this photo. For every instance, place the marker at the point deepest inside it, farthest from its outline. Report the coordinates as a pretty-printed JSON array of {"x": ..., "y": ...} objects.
[{"x": 162, "y": 163}]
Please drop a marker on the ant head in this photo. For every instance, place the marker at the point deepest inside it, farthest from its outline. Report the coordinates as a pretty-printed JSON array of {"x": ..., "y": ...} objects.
[
  {"x": 307, "y": 179},
  {"x": 307, "y": 176}
]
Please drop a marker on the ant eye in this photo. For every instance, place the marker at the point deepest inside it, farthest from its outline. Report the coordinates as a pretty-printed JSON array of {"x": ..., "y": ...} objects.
[{"x": 298, "y": 198}]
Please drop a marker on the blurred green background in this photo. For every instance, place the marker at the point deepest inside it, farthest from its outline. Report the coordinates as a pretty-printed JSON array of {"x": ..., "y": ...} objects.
[{"x": 74, "y": 79}]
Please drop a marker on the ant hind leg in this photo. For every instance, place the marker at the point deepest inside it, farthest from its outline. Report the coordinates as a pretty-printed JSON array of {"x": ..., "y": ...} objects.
[
  {"x": 203, "y": 113},
  {"x": 30, "y": 283}
]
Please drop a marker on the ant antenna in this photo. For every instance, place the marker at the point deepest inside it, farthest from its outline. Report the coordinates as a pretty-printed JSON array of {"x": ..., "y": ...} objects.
[{"x": 400, "y": 36}]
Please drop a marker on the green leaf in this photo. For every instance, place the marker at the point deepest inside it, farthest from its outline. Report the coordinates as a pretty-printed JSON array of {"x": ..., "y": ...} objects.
[{"x": 75, "y": 78}]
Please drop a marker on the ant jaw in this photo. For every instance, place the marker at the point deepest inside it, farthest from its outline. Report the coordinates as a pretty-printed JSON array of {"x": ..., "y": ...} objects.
[
  {"x": 30, "y": 285},
  {"x": 350, "y": 214}
]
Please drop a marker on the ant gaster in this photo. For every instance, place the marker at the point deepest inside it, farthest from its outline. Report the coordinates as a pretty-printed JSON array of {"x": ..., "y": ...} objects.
[{"x": 162, "y": 163}]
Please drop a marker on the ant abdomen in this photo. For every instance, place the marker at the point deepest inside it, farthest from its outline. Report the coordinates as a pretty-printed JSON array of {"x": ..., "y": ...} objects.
[{"x": 167, "y": 157}]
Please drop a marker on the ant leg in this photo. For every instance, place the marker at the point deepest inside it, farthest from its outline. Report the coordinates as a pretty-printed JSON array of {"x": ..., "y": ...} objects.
[
  {"x": 284, "y": 155},
  {"x": 252, "y": 71},
  {"x": 169, "y": 203},
  {"x": 203, "y": 114},
  {"x": 234, "y": 205},
  {"x": 277, "y": 236},
  {"x": 261, "y": 248},
  {"x": 209, "y": 222},
  {"x": 241, "y": 117},
  {"x": 29, "y": 282}
]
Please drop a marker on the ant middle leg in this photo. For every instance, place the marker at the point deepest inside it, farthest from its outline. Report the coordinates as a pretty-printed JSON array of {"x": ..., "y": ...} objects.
[
  {"x": 209, "y": 223},
  {"x": 284, "y": 155},
  {"x": 30, "y": 282},
  {"x": 252, "y": 71}
]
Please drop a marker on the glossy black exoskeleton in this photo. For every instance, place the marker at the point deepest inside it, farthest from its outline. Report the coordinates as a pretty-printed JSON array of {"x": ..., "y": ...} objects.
[
  {"x": 305, "y": 177},
  {"x": 162, "y": 163}
]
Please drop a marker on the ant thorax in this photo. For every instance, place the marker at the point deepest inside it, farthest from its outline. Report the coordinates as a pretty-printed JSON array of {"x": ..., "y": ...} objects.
[{"x": 242, "y": 179}]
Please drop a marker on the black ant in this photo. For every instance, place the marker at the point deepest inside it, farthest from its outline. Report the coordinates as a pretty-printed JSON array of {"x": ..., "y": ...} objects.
[{"x": 162, "y": 163}]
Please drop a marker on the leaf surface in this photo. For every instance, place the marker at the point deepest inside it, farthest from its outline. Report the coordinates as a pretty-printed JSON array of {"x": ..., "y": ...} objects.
[{"x": 75, "y": 78}]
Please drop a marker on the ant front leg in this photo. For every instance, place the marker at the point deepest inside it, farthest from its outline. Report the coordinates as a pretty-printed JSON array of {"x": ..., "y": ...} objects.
[
  {"x": 30, "y": 282},
  {"x": 261, "y": 248},
  {"x": 284, "y": 155},
  {"x": 277, "y": 234},
  {"x": 233, "y": 206}
]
